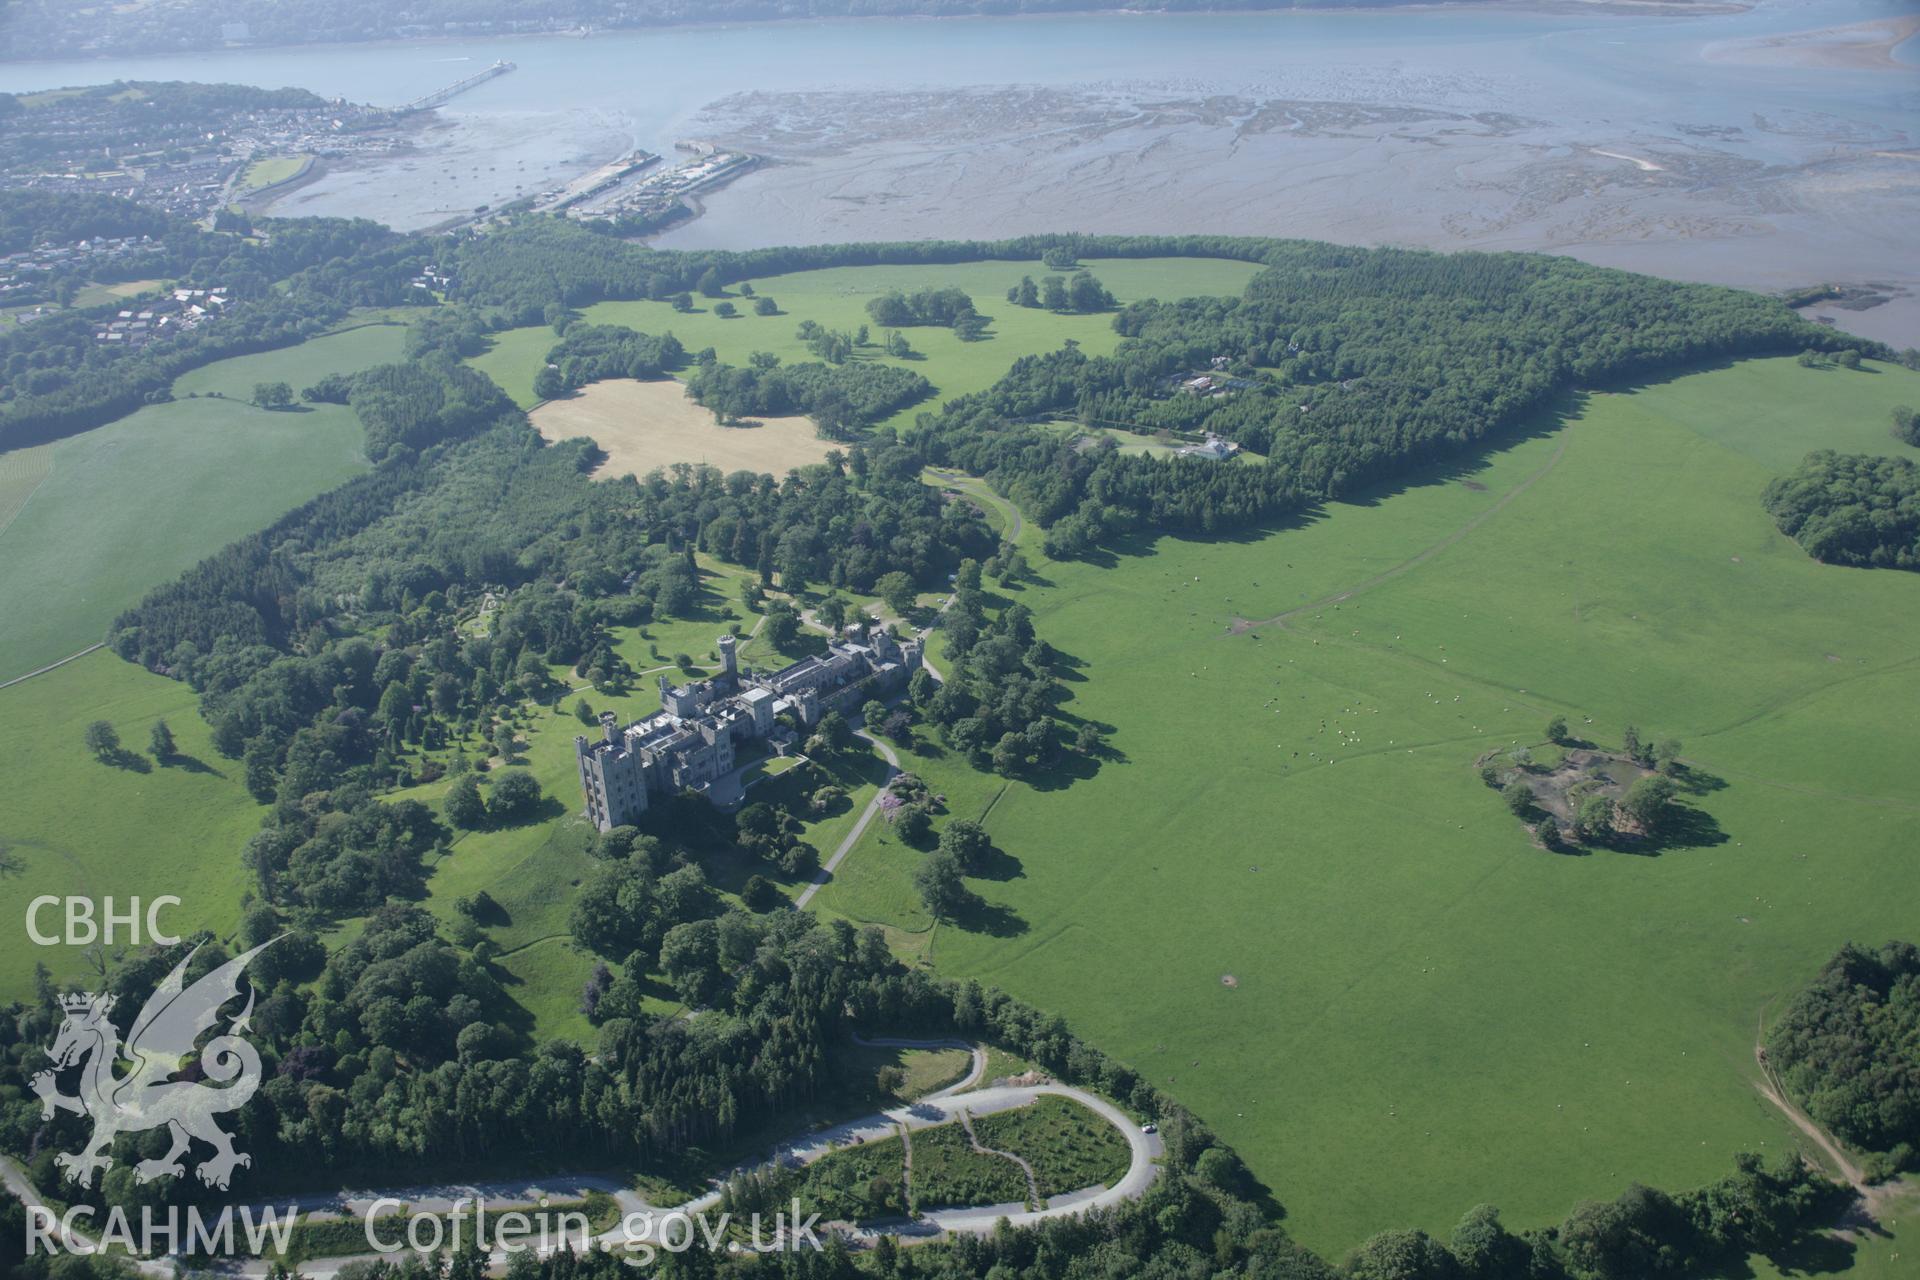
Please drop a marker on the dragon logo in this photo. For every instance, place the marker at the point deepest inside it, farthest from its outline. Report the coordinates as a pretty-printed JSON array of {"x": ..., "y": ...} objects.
[{"x": 148, "y": 1097}]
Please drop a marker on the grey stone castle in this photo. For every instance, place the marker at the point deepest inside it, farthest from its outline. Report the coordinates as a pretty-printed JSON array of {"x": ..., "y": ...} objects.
[{"x": 689, "y": 743}]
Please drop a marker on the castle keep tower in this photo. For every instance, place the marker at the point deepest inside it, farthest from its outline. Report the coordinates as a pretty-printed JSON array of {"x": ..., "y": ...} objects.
[{"x": 610, "y": 776}]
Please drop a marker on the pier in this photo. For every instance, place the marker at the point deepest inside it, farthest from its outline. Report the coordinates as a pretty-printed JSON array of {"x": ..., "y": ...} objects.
[{"x": 440, "y": 96}]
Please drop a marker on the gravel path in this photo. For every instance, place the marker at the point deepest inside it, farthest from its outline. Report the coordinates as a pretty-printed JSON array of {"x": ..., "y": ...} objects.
[{"x": 825, "y": 873}]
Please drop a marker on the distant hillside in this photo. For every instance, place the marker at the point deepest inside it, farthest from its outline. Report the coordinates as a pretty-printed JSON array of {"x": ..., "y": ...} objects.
[{"x": 54, "y": 28}]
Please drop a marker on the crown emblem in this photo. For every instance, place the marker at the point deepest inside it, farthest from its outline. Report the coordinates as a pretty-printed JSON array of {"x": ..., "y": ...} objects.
[{"x": 83, "y": 1001}]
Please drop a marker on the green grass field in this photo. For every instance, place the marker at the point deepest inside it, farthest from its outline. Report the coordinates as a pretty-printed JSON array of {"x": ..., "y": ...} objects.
[
  {"x": 118, "y": 510},
  {"x": 513, "y": 357},
  {"x": 925, "y": 1070},
  {"x": 346, "y": 350},
  {"x": 72, "y": 825},
  {"x": 1425, "y": 1010},
  {"x": 267, "y": 171},
  {"x": 94, "y": 294},
  {"x": 1428, "y": 1011},
  {"x": 21, "y": 474},
  {"x": 837, "y": 298},
  {"x": 875, "y": 884}
]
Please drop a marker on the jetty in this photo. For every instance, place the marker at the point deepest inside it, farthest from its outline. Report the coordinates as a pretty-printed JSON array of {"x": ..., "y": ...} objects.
[{"x": 458, "y": 87}]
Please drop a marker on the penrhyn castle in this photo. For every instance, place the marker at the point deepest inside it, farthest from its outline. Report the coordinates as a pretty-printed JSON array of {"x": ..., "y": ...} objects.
[{"x": 689, "y": 743}]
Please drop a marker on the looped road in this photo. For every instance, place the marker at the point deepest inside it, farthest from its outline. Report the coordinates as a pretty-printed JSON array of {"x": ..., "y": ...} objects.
[{"x": 936, "y": 1108}]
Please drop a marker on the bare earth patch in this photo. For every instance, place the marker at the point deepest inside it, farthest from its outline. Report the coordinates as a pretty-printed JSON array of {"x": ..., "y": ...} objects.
[{"x": 643, "y": 425}]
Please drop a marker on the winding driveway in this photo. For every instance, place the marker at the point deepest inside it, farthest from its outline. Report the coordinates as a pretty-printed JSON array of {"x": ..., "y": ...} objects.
[
  {"x": 14, "y": 1180},
  {"x": 977, "y": 489},
  {"x": 941, "y": 1107}
]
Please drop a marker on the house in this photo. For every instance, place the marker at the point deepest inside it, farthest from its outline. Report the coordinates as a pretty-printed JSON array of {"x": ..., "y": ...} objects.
[{"x": 1218, "y": 448}]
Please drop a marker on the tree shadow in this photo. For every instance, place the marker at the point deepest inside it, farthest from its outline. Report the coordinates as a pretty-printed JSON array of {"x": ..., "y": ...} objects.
[
  {"x": 516, "y": 1017},
  {"x": 999, "y": 865},
  {"x": 1695, "y": 781},
  {"x": 546, "y": 809},
  {"x": 489, "y": 914},
  {"x": 1814, "y": 1254},
  {"x": 805, "y": 644},
  {"x": 131, "y": 761},
  {"x": 190, "y": 764},
  {"x": 1068, "y": 668},
  {"x": 991, "y": 919},
  {"x": 1683, "y": 827},
  {"x": 1066, "y": 769},
  {"x": 1688, "y": 828},
  {"x": 1034, "y": 578}
]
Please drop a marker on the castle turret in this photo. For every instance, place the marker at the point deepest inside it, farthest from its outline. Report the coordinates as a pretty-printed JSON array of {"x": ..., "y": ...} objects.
[
  {"x": 610, "y": 727},
  {"x": 729, "y": 657}
]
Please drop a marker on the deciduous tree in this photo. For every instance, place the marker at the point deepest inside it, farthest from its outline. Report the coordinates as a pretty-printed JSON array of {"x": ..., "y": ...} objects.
[
  {"x": 941, "y": 886},
  {"x": 102, "y": 740},
  {"x": 464, "y": 806}
]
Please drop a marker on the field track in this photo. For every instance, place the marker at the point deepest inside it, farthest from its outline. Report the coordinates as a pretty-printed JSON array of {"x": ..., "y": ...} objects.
[
  {"x": 1873, "y": 1198},
  {"x": 1241, "y": 626},
  {"x": 98, "y": 644}
]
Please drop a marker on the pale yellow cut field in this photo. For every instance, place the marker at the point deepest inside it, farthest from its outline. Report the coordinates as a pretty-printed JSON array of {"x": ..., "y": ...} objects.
[{"x": 643, "y": 425}]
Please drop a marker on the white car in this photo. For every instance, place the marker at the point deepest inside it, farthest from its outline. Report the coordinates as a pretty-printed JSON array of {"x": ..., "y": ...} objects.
[{"x": 1149, "y": 1127}]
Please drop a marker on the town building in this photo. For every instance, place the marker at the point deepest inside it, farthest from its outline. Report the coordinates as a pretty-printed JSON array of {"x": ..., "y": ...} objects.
[{"x": 691, "y": 742}]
